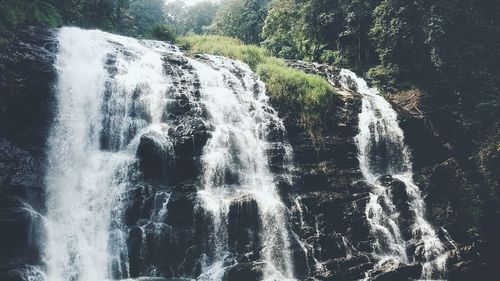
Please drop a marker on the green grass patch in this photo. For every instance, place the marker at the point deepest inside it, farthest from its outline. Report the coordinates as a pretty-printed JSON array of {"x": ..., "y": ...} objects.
[
  {"x": 225, "y": 46},
  {"x": 308, "y": 97}
]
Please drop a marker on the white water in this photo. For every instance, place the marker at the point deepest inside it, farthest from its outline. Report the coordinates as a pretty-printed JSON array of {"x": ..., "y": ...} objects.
[
  {"x": 111, "y": 90},
  {"x": 87, "y": 176},
  {"x": 382, "y": 151},
  {"x": 236, "y": 165}
]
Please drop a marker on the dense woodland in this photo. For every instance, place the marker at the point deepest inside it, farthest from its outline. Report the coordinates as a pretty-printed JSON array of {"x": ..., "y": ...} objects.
[{"x": 449, "y": 51}]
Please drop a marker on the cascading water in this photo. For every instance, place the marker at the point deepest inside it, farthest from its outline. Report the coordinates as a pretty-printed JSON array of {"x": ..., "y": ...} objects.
[
  {"x": 107, "y": 96},
  {"x": 382, "y": 151},
  {"x": 235, "y": 164},
  {"x": 122, "y": 110}
]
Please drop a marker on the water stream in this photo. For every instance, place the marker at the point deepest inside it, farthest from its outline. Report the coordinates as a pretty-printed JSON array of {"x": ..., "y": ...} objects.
[{"x": 382, "y": 151}]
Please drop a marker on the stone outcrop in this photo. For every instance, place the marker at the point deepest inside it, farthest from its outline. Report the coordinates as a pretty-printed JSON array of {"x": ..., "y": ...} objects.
[{"x": 26, "y": 108}]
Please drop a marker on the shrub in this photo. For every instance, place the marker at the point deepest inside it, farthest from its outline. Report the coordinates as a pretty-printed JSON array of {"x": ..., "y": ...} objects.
[
  {"x": 14, "y": 15},
  {"x": 334, "y": 57},
  {"x": 384, "y": 77},
  {"x": 309, "y": 96},
  {"x": 163, "y": 32}
]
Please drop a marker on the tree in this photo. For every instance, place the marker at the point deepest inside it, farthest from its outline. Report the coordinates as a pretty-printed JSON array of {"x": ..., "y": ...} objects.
[
  {"x": 147, "y": 13},
  {"x": 241, "y": 19},
  {"x": 191, "y": 19},
  {"x": 279, "y": 31},
  {"x": 199, "y": 17}
]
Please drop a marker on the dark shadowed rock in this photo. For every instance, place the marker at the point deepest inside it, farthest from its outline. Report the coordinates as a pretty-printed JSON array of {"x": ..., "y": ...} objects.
[
  {"x": 244, "y": 225},
  {"x": 401, "y": 273},
  {"x": 249, "y": 271},
  {"x": 26, "y": 112},
  {"x": 155, "y": 153}
]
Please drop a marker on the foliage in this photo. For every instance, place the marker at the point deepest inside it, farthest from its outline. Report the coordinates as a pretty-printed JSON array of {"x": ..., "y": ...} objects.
[
  {"x": 279, "y": 32},
  {"x": 225, "y": 46},
  {"x": 315, "y": 29},
  {"x": 163, "y": 32},
  {"x": 309, "y": 96},
  {"x": 241, "y": 19},
  {"x": 334, "y": 57},
  {"x": 130, "y": 17},
  {"x": 147, "y": 14},
  {"x": 191, "y": 19},
  {"x": 15, "y": 14}
]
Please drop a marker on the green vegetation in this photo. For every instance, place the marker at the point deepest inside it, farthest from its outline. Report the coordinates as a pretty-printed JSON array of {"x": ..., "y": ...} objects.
[
  {"x": 129, "y": 17},
  {"x": 14, "y": 14},
  {"x": 225, "y": 46},
  {"x": 191, "y": 19},
  {"x": 163, "y": 32},
  {"x": 308, "y": 96},
  {"x": 333, "y": 31},
  {"x": 241, "y": 19}
]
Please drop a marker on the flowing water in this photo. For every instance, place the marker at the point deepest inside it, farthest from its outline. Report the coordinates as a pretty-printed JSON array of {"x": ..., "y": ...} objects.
[
  {"x": 100, "y": 111},
  {"x": 235, "y": 163},
  {"x": 382, "y": 151},
  {"x": 111, "y": 91}
]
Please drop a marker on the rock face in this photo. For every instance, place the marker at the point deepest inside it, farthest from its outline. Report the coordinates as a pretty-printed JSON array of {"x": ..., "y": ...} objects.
[
  {"x": 331, "y": 237},
  {"x": 26, "y": 102}
]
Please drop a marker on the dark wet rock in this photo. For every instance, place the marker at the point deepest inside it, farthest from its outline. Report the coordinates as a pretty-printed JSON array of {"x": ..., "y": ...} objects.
[
  {"x": 333, "y": 196},
  {"x": 328, "y": 71},
  {"x": 155, "y": 153},
  {"x": 26, "y": 86},
  {"x": 190, "y": 137},
  {"x": 26, "y": 112},
  {"x": 21, "y": 173},
  {"x": 397, "y": 190},
  {"x": 135, "y": 244},
  {"x": 22, "y": 231},
  {"x": 139, "y": 203},
  {"x": 181, "y": 209},
  {"x": 246, "y": 272},
  {"x": 399, "y": 195},
  {"x": 424, "y": 139},
  {"x": 20, "y": 272},
  {"x": 400, "y": 273},
  {"x": 244, "y": 225},
  {"x": 348, "y": 268},
  {"x": 171, "y": 58}
]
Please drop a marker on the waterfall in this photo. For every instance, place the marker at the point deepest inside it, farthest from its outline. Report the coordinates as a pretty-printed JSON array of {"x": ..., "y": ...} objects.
[
  {"x": 106, "y": 96},
  {"x": 235, "y": 164},
  {"x": 124, "y": 108},
  {"x": 382, "y": 151}
]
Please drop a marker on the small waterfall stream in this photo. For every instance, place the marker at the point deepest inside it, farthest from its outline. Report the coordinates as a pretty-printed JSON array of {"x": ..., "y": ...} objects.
[
  {"x": 236, "y": 166},
  {"x": 382, "y": 151}
]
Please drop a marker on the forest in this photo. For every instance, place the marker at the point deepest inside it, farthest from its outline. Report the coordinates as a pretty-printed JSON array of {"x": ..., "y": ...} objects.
[{"x": 444, "y": 54}]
